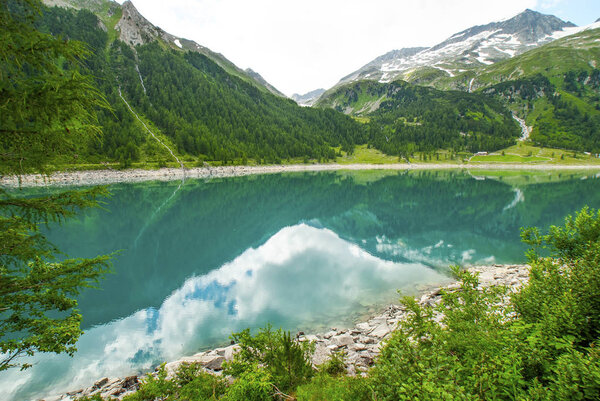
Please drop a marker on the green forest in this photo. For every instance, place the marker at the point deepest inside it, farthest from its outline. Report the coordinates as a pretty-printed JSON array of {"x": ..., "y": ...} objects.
[
  {"x": 565, "y": 116},
  {"x": 203, "y": 110}
]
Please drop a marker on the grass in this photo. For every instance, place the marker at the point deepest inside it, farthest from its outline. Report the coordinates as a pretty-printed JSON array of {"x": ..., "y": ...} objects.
[
  {"x": 364, "y": 155},
  {"x": 508, "y": 158},
  {"x": 523, "y": 152}
]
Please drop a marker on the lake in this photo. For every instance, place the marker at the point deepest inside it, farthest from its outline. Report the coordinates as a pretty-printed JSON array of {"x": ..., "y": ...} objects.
[{"x": 303, "y": 251}]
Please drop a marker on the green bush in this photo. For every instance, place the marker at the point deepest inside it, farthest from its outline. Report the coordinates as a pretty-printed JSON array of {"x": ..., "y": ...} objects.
[
  {"x": 324, "y": 387},
  {"x": 255, "y": 384},
  {"x": 536, "y": 344},
  {"x": 287, "y": 361},
  {"x": 190, "y": 383}
]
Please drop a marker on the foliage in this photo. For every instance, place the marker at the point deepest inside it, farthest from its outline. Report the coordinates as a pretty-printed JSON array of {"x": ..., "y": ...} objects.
[
  {"x": 46, "y": 109},
  {"x": 255, "y": 384},
  {"x": 539, "y": 344},
  {"x": 472, "y": 353},
  {"x": 407, "y": 118},
  {"x": 287, "y": 361},
  {"x": 200, "y": 107},
  {"x": 563, "y": 297},
  {"x": 46, "y": 105},
  {"x": 334, "y": 388},
  {"x": 190, "y": 383}
]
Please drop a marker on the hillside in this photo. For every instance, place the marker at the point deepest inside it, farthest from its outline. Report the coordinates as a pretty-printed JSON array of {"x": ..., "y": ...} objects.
[
  {"x": 127, "y": 24},
  {"x": 403, "y": 118},
  {"x": 553, "y": 87},
  {"x": 188, "y": 99}
]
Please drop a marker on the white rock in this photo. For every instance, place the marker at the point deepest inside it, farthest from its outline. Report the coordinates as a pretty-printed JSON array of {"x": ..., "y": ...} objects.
[
  {"x": 343, "y": 340},
  {"x": 380, "y": 331},
  {"x": 363, "y": 327}
]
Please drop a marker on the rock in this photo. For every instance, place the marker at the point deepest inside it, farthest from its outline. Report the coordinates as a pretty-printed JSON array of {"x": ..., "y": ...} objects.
[
  {"x": 100, "y": 383},
  {"x": 321, "y": 354},
  {"x": 364, "y": 327},
  {"x": 230, "y": 352},
  {"x": 333, "y": 347},
  {"x": 212, "y": 362},
  {"x": 380, "y": 331},
  {"x": 366, "y": 360},
  {"x": 310, "y": 337},
  {"x": 366, "y": 340},
  {"x": 343, "y": 340},
  {"x": 330, "y": 334},
  {"x": 357, "y": 347}
]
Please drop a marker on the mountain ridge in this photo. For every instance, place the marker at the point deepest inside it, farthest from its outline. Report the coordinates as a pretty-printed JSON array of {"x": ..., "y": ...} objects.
[
  {"x": 468, "y": 49},
  {"x": 309, "y": 98},
  {"x": 135, "y": 29}
]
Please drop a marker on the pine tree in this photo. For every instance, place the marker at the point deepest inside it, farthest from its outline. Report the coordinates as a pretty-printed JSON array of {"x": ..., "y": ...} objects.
[{"x": 47, "y": 109}]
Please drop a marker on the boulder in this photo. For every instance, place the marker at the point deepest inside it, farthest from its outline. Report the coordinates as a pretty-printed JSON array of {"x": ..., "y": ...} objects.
[
  {"x": 212, "y": 362},
  {"x": 381, "y": 330},
  {"x": 343, "y": 340}
]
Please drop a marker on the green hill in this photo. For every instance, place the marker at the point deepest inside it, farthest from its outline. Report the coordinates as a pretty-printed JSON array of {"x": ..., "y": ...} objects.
[
  {"x": 187, "y": 98},
  {"x": 403, "y": 118}
]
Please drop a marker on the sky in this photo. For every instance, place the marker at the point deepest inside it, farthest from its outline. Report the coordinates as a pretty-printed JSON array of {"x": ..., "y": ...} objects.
[{"x": 301, "y": 45}]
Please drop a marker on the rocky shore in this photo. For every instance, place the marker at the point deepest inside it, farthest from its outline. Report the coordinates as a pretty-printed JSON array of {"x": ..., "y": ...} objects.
[
  {"x": 361, "y": 343},
  {"x": 102, "y": 177}
]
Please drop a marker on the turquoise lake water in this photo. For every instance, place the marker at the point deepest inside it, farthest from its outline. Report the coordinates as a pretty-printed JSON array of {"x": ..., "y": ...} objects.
[{"x": 303, "y": 251}]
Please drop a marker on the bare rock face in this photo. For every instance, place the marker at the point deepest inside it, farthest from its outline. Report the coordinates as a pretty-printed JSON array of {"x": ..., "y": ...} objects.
[{"x": 136, "y": 30}]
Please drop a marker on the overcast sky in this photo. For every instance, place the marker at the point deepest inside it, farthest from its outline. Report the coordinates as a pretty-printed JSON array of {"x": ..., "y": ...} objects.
[{"x": 301, "y": 45}]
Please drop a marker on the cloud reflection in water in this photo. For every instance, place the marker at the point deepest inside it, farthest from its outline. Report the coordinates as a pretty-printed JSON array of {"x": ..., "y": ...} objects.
[{"x": 301, "y": 277}]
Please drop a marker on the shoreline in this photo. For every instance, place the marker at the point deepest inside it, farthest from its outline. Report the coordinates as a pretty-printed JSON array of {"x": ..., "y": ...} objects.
[
  {"x": 104, "y": 177},
  {"x": 361, "y": 343}
]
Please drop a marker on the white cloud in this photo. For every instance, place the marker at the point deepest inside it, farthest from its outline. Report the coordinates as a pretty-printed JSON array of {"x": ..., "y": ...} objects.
[{"x": 302, "y": 45}]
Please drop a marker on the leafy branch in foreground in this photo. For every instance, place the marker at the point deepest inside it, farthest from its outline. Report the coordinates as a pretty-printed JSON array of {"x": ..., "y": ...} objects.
[
  {"x": 37, "y": 306},
  {"x": 47, "y": 109}
]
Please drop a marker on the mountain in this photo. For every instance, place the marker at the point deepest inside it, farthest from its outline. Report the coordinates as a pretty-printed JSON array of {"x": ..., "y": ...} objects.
[
  {"x": 555, "y": 88},
  {"x": 577, "y": 51},
  {"x": 372, "y": 70},
  {"x": 198, "y": 105},
  {"x": 469, "y": 49},
  {"x": 308, "y": 99},
  {"x": 258, "y": 78},
  {"x": 402, "y": 118},
  {"x": 134, "y": 29}
]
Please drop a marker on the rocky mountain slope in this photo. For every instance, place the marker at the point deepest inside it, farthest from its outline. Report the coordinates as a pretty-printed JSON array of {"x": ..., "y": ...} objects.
[
  {"x": 554, "y": 88},
  {"x": 191, "y": 102},
  {"x": 308, "y": 99},
  {"x": 466, "y": 50},
  {"x": 134, "y": 29}
]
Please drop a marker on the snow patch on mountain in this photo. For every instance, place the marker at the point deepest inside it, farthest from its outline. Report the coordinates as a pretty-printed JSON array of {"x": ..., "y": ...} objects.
[{"x": 471, "y": 48}]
